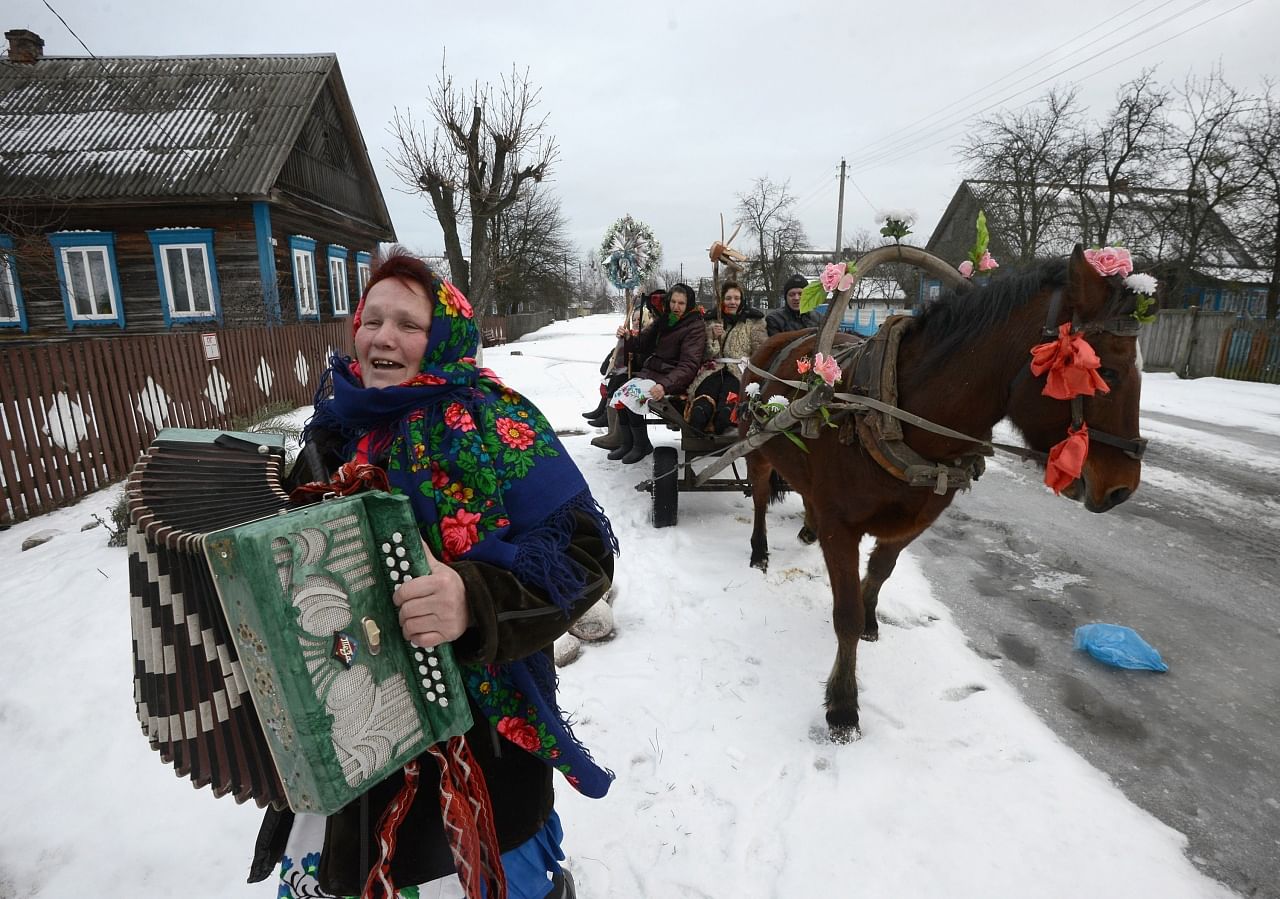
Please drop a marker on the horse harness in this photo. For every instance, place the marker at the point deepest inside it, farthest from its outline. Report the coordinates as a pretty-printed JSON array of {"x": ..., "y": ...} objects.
[{"x": 876, "y": 419}]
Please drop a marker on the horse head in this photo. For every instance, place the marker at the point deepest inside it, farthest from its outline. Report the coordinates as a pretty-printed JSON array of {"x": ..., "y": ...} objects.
[{"x": 1101, "y": 310}]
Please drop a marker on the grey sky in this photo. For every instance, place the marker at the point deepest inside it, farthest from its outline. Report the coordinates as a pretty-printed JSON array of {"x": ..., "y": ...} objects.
[{"x": 667, "y": 110}]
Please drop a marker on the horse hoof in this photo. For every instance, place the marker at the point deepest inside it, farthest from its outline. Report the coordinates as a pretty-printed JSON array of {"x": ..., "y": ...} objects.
[
  {"x": 871, "y": 636},
  {"x": 806, "y": 536},
  {"x": 843, "y": 725},
  {"x": 762, "y": 564}
]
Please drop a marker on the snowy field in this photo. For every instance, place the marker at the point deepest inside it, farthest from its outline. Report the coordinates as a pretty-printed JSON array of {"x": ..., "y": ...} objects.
[{"x": 707, "y": 704}]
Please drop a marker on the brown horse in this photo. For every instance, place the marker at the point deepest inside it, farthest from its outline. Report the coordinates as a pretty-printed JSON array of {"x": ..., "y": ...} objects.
[{"x": 963, "y": 364}]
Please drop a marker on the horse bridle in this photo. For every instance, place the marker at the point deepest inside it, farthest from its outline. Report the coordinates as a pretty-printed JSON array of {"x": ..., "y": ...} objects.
[{"x": 1121, "y": 326}]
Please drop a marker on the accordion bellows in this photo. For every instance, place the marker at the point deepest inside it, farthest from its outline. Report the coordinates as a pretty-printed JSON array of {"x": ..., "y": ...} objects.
[{"x": 268, "y": 657}]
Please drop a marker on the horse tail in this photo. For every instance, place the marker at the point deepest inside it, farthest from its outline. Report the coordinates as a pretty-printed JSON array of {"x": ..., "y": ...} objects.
[{"x": 778, "y": 488}]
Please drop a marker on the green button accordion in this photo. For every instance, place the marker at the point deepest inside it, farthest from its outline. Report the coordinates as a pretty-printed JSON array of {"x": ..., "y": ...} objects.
[{"x": 293, "y": 613}]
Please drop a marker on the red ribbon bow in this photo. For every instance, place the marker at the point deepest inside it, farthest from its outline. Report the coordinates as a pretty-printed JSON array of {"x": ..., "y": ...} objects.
[
  {"x": 1071, "y": 363},
  {"x": 1066, "y": 459}
]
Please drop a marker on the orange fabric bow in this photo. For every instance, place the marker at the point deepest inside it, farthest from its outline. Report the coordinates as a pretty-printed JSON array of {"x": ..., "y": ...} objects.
[
  {"x": 1066, "y": 459},
  {"x": 1071, "y": 363}
]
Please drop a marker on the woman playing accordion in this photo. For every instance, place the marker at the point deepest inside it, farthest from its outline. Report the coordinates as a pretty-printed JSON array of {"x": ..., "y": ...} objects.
[{"x": 518, "y": 550}]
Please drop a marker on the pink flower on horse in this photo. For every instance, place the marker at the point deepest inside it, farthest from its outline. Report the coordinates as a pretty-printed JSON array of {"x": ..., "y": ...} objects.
[
  {"x": 826, "y": 368},
  {"x": 986, "y": 263},
  {"x": 836, "y": 277},
  {"x": 965, "y": 268},
  {"x": 803, "y": 365},
  {"x": 1110, "y": 261}
]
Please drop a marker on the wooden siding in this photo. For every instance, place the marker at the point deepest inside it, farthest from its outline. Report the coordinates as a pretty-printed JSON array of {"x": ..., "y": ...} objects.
[
  {"x": 235, "y": 258},
  {"x": 75, "y": 415}
]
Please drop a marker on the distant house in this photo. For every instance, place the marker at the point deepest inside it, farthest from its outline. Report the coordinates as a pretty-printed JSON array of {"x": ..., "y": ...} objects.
[
  {"x": 148, "y": 195},
  {"x": 1227, "y": 277}
]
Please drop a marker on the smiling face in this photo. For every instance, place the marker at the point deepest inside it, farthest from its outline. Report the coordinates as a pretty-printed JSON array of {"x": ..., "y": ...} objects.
[
  {"x": 732, "y": 300},
  {"x": 395, "y": 324}
]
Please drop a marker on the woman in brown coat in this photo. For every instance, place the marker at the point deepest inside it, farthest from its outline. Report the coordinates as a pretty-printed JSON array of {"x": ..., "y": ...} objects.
[{"x": 674, "y": 346}]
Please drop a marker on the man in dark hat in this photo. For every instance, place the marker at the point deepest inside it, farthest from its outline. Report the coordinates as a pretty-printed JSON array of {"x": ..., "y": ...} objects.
[{"x": 787, "y": 317}]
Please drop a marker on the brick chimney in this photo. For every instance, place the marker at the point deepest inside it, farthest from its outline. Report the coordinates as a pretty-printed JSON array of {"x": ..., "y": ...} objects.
[{"x": 25, "y": 47}]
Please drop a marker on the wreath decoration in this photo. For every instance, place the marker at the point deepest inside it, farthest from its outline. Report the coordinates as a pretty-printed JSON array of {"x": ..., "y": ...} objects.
[{"x": 629, "y": 253}]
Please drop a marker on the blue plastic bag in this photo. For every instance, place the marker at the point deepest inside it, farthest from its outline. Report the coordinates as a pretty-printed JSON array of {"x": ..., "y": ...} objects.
[{"x": 1118, "y": 645}]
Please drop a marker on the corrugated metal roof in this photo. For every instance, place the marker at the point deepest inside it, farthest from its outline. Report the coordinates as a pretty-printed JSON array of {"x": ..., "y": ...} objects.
[{"x": 152, "y": 127}]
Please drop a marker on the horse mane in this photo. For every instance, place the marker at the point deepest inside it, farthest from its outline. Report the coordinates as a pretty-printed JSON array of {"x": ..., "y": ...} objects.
[{"x": 958, "y": 317}]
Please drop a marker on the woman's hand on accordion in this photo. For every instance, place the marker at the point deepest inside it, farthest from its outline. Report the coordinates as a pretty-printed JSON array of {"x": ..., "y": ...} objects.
[{"x": 433, "y": 607}]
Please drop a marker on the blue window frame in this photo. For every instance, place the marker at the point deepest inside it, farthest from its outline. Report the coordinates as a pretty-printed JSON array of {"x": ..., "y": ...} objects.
[
  {"x": 12, "y": 312},
  {"x": 88, "y": 277},
  {"x": 302, "y": 250},
  {"x": 339, "y": 286},
  {"x": 187, "y": 273},
  {"x": 364, "y": 267}
]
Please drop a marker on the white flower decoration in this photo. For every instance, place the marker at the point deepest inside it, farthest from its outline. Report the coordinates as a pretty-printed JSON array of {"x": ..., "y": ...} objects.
[
  {"x": 1144, "y": 285},
  {"x": 752, "y": 389}
]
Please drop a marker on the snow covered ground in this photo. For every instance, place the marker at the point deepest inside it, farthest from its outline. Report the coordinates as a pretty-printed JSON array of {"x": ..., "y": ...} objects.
[{"x": 707, "y": 704}]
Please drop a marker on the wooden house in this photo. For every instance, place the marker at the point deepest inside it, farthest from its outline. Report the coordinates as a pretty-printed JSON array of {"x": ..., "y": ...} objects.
[
  {"x": 1225, "y": 278},
  {"x": 152, "y": 195}
]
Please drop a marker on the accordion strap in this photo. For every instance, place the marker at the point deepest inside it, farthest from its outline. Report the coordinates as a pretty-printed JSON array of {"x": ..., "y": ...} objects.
[{"x": 379, "y": 882}]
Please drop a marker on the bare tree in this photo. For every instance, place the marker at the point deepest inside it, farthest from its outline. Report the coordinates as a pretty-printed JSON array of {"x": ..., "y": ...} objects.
[
  {"x": 1262, "y": 220},
  {"x": 765, "y": 212},
  {"x": 1029, "y": 157},
  {"x": 1206, "y": 148},
  {"x": 487, "y": 145},
  {"x": 530, "y": 255},
  {"x": 1126, "y": 150}
]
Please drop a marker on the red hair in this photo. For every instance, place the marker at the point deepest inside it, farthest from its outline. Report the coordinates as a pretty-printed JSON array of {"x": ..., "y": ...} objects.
[{"x": 397, "y": 262}]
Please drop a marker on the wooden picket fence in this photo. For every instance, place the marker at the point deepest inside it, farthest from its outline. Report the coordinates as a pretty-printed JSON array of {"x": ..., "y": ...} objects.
[
  {"x": 1250, "y": 352},
  {"x": 74, "y": 415}
]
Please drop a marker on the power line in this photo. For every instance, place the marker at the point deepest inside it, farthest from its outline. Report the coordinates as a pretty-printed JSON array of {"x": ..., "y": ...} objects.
[
  {"x": 965, "y": 114},
  {"x": 876, "y": 160},
  {"x": 910, "y": 127}
]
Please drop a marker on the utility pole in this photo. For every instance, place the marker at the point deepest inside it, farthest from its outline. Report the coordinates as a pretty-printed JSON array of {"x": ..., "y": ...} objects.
[{"x": 840, "y": 212}]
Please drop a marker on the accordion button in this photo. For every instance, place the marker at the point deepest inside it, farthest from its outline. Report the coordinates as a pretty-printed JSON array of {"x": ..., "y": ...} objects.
[
  {"x": 436, "y": 675},
  {"x": 391, "y": 563},
  {"x": 386, "y": 547},
  {"x": 444, "y": 703},
  {"x": 395, "y": 575},
  {"x": 418, "y": 656},
  {"x": 400, "y": 551},
  {"x": 422, "y": 669},
  {"x": 397, "y": 537},
  {"x": 404, "y": 566},
  {"x": 432, "y": 660},
  {"x": 431, "y": 697}
]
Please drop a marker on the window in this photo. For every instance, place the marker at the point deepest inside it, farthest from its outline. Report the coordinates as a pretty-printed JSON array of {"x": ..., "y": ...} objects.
[
  {"x": 11, "y": 314},
  {"x": 187, "y": 273},
  {"x": 303, "y": 251},
  {"x": 338, "y": 288},
  {"x": 363, "y": 261},
  {"x": 86, "y": 262}
]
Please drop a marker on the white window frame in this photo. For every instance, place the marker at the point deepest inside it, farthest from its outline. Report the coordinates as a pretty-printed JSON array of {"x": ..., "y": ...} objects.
[
  {"x": 304, "y": 268},
  {"x": 186, "y": 274},
  {"x": 338, "y": 285},
  {"x": 364, "y": 271},
  {"x": 9, "y": 288},
  {"x": 105, "y": 251}
]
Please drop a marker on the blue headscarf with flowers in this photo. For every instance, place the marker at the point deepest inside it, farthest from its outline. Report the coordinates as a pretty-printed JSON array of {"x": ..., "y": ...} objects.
[{"x": 488, "y": 481}]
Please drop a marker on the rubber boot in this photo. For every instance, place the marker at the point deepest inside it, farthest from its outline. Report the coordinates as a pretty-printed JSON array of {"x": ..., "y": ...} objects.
[
  {"x": 598, "y": 410},
  {"x": 613, "y": 439},
  {"x": 640, "y": 445},
  {"x": 626, "y": 439},
  {"x": 723, "y": 419}
]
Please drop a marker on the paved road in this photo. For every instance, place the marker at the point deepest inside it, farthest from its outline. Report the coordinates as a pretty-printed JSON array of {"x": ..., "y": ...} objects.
[{"x": 1192, "y": 562}]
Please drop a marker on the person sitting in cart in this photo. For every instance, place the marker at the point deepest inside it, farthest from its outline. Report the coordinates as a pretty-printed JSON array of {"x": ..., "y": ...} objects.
[
  {"x": 734, "y": 334},
  {"x": 617, "y": 369},
  {"x": 788, "y": 317},
  {"x": 674, "y": 346}
]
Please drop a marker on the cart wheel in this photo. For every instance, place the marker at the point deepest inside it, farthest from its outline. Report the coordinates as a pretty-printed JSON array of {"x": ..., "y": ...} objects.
[{"x": 666, "y": 489}]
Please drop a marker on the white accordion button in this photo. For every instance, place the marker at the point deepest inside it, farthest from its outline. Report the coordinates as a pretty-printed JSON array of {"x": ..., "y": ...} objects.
[
  {"x": 404, "y": 565},
  {"x": 400, "y": 551},
  {"x": 386, "y": 547},
  {"x": 397, "y": 537},
  {"x": 444, "y": 703},
  {"x": 418, "y": 656},
  {"x": 436, "y": 675},
  {"x": 422, "y": 669},
  {"x": 391, "y": 563},
  {"x": 432, "y": 660},
  {"x": 431, "y": 697},
  {"x": 395, "y": 575}
]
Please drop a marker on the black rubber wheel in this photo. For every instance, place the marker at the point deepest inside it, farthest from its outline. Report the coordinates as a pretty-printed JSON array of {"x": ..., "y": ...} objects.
[{"x": 666, "y": 489}]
